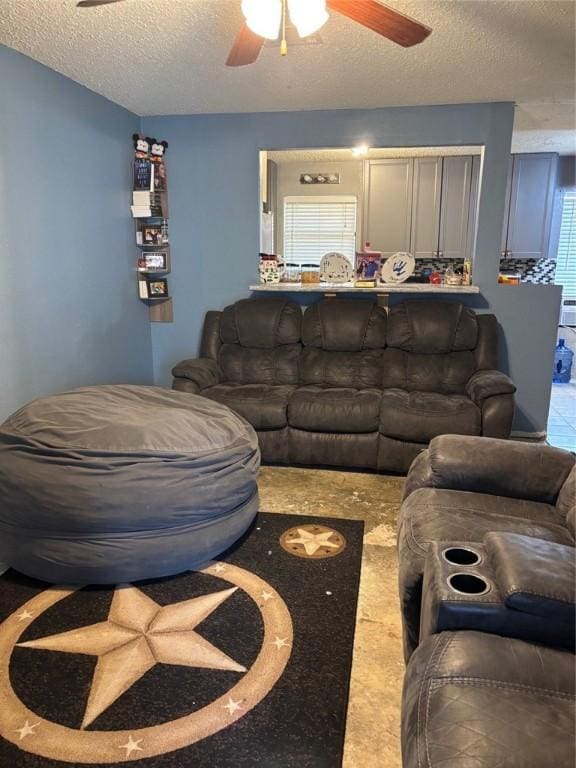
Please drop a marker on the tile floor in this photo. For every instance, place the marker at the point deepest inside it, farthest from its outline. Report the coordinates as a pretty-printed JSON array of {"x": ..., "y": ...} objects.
[{"x": 562, "y": 416}]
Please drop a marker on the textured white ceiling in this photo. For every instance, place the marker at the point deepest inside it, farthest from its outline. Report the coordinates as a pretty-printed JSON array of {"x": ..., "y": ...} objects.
[{"x": 167, "y": 57}]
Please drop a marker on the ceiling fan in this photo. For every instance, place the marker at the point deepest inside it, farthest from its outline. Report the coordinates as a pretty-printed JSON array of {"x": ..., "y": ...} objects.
[{"x": 266, "y": 19}]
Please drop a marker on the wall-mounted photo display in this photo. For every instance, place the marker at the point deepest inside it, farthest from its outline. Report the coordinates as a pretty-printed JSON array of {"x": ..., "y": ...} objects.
[
  {"x": 153, "y": 288},
  {"x": 149, "y": 236},
  {"x": 153, "y": 261}
]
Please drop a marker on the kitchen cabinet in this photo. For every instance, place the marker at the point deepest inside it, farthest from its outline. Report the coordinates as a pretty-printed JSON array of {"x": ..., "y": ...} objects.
[
  {"x": 420, "y": 205},
  {"x": 473, "y": 206},
  {"x": 388, "y": 204},
  {"x": 455, "y": 207},
  {"x": 529, "y": 202},
  {"x": 426, "y": 200}
]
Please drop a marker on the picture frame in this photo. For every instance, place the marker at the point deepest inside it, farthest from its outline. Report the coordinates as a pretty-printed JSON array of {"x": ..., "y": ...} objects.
[
  {"x": 156, "y": 288},
  {"x": 149, "y": 235},
  {"x": 153, "y": 261},
  {"x": 367, "y": 265}
]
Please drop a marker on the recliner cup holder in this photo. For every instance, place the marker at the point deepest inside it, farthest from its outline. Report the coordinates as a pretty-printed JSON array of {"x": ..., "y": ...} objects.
[
  {"x": 461, "y": 556},
  {"x": 468, "y": 584}
]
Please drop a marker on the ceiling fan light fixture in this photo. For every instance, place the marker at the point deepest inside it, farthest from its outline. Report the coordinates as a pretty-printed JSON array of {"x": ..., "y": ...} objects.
[
  {"x": 308, "y": 16},
  {"x": 263, "y": 17}
]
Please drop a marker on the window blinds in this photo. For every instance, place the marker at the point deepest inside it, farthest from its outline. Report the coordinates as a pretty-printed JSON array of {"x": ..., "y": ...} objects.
[
  {"x": 566, "y": 254},
  {"x": 314, "y": 226}
]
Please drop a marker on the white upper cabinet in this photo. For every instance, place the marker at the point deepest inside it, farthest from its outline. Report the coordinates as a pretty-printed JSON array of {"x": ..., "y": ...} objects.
[
  {"x": 428, "y": 205},
  {"x": 426, "y": 198},
  {"x": 473, "y": 207},
  {"x": 455, "y": 207},
  {"x": 388, "y": 204},
  {"x": 530, "y": 199}
]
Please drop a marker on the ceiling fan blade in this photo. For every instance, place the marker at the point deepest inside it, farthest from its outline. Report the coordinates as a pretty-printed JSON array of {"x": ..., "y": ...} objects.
[
  {"x": 246, "y": 48},
  {"x": 392, "y": 24},
  {"x": 94, "y": 3}
]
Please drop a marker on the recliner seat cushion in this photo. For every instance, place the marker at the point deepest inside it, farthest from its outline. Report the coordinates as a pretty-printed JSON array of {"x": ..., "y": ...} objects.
[
  {"x": 420, "y": 416},
  {"x": 337, "y": 409},
  {"x": 263, "y": 406},
  {"x": 433, "y": 514}
]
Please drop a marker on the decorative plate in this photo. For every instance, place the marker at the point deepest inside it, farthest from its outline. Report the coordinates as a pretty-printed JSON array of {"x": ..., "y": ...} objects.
[
  {"x": 335, "y": 268},
  {"x": 397, "y": 268}
]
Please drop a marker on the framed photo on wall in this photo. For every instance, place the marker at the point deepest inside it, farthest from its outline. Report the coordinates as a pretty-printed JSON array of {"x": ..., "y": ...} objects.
[
  {"x": 157, "y": 288},
  {"x": 153, "y": 261},
  {"x": 149, "y": 236}
]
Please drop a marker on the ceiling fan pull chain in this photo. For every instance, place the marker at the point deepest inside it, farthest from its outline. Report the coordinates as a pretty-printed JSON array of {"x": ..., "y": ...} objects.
[{"x": 283, "y": 44}]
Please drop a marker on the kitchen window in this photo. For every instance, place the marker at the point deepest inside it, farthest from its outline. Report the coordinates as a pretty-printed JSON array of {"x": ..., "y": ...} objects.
[{"x": 314, "y": 226}]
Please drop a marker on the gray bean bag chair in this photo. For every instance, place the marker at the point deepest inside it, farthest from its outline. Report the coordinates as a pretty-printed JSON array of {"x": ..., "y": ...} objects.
[{"x": 109, "y": 484}]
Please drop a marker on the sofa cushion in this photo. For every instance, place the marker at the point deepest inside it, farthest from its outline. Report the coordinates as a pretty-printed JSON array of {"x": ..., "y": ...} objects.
[
  {"x": 433, "y": 514},
  {"x": 338, "y": 409},
  {"x": 447, "y": 373},
  {"x": 242, "y": 365},
  {"x": 432, "y": 327},
  {"x": 420, "y": 416},
  {"x": 261, "y": 323},
  {"x": 341, "y": 369},
  {"x": 473, "y": 700},
  {"x": 263, "y": 406},
  {"x": 344, "y": 325}
]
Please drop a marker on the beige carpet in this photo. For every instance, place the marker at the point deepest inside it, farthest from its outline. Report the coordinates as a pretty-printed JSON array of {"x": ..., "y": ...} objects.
[{"x": 373, "y": 726}]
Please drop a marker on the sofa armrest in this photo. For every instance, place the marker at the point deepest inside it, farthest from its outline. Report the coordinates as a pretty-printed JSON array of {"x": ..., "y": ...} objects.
[
  {"x": 485, "y": 384},
  {"x": 531, "y": 471},
  {"x": 202, "y": 371},
  {"x": 419, "y": 475},
  {"x": 534, "y": 576}
]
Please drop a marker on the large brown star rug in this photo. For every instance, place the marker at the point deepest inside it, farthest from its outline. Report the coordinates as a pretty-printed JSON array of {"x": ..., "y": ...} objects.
[{"x": 242, "y": 663}]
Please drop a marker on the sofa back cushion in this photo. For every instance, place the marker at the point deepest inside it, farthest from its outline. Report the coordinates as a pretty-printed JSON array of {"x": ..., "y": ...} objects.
[
  {"x": 431, "y": 347},
  {"x": 261, "y": 323},
  {"x": 432, "y": 327},
  {"x": 343, "y": 343},
  {"x": 260, "y": 341}
]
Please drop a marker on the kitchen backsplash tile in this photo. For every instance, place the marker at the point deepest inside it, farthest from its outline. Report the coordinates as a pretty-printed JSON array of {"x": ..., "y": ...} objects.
[{"x": 531, "y": 270}]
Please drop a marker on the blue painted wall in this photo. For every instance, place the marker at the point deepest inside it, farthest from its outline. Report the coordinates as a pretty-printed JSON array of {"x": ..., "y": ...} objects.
[
  {"x": 69, "y": 315},
  {"x": 213, "y": 167}
]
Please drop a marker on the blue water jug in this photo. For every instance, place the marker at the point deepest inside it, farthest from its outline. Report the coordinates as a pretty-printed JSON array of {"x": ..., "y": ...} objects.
[{"x": 562, "y": 363}]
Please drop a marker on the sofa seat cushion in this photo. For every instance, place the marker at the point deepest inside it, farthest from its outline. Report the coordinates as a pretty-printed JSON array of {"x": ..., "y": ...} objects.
[
  {"x": 433, "y": 514},
  {"x": 337, "y": 409},
  {"x": 264, "y": 406},
  {"x": 421, "y": 416}
]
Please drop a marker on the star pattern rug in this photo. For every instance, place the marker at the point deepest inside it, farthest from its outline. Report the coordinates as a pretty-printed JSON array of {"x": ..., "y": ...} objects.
[{"x": 243, "y": 663}]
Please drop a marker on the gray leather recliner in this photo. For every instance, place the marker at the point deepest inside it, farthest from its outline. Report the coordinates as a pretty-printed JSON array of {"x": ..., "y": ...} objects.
[
  {"x": 462, "y": 489},
  {"x": 345, "y": 384},
  {"x": 491, "y": 682}
]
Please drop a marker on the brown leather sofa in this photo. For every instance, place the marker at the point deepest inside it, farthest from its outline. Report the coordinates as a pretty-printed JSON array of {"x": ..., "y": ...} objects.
[
  {"x": 345, "y": 384},
  {"x": 477, "y": 696}
]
